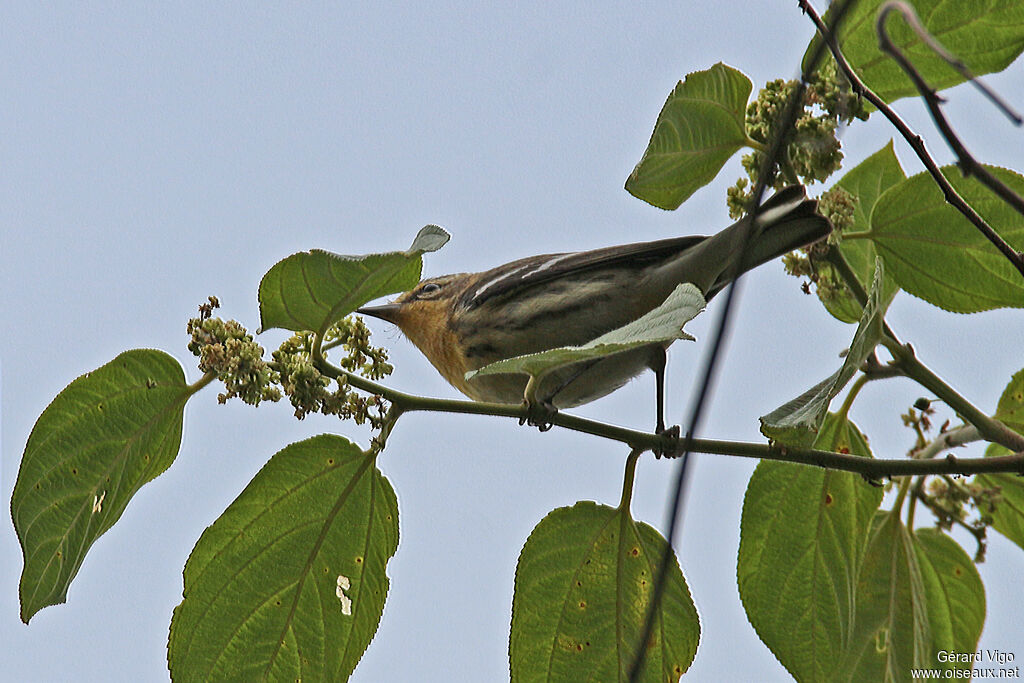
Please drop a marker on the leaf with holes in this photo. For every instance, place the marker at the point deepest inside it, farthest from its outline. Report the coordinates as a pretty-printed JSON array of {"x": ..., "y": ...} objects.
[
  {"x": 103, "y": 437},
  {"x": 583, "y": 584},
  {"x": 289, "y": 583},
  {"x": 312, "y": 290},
  {"x": 802, "y": 538}
]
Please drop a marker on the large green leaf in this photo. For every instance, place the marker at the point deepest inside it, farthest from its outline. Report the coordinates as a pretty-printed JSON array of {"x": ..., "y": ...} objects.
[
  {"x": 289, "y": 583},
  {"x": 891, "y": 631},
  {"x": 661, "y": 324},
  {"x": 103, "y": 437},
  {"x": 1008, "y": 517},
  {"x": 1010, "y": 409},
  {"x": 802, "y": 539},
  {"x": 312, "y": 290},
  {"x": 987, "y": 35},
  {"x": 955, "y": 594},
  {"x": 583, "y": 584},
  {"x": 796, "y": 422},
  {"x": 700, "y": 127},
  {"x": 866, "y": 182},
  {"x": 931, "y": 250}
]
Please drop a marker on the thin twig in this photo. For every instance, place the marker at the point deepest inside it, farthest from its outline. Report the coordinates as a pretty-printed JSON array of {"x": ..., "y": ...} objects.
[
  {"x": 914, "y": 140},
  {"x": 959, "y": 436}
]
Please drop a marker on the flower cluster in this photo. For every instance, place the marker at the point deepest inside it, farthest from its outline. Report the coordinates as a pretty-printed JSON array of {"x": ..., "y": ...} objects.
[
  {"x": 811, "y": 262},
  {"x": 812, "y": 152},
  {"x": 310, "y": 391},
  {"x": 228, "y": 350}
]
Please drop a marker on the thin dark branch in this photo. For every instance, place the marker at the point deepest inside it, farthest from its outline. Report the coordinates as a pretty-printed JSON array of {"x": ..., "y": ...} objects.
[
  {"x": 910, "y": 16},
  {"x": 968, "y": 164},
  {"x": 915, "y": 141}
]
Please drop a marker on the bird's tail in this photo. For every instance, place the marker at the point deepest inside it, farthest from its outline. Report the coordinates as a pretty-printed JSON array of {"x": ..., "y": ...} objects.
[{"x": 786, "y": 221}]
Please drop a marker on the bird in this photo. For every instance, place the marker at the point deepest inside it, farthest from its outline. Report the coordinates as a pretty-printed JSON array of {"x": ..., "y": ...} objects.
[{"x": 465, "y": 321}]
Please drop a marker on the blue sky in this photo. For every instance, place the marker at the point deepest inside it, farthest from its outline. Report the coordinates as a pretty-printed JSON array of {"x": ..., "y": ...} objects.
[{"x": 156, "y": 154}]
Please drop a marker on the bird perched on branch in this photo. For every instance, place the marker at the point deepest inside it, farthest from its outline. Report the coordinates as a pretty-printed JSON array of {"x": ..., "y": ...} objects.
[{"x": 465, "y": 321}]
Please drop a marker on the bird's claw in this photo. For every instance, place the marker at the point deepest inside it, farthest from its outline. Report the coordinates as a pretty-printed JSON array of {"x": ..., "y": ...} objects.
[
  {"x": 667, "y": 434},
  {"x": 539, "y": 415}
]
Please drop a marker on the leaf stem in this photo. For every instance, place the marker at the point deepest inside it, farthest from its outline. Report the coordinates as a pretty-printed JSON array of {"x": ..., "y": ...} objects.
[
  {"x": 627, "y": 479},
  {"x": 844, "y": 409},
  {"x": 902, "y": 495},
  {"x": 912, "y": 506},
  {"x": 201, "y": 383}
]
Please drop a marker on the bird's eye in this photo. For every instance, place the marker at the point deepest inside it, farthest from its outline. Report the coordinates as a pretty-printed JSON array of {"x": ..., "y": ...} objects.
[{"x": 430, "y": 288}]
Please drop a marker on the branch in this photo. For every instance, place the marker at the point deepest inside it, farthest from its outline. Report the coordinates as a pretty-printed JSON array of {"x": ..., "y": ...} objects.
[
  {"x": 905, "y": 361},
  {"x": 990, "y": 428},
  {"x": 870, "y": 468},
  {"x": 959, "y": 436},
  {"x": 917, "y": 143}
]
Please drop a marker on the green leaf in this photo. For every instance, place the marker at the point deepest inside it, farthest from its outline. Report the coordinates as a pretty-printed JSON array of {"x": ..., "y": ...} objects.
[
  {"x": 796, "y": 423},
  {"x": 866, "y": 182},
  {"x": 583, "y": 584},
  {"x": 802, "y": 539},
  {"x": 891, "y": 632},
  {"x": 986, "y": 35},
  {"x": 955, "y": 595},
  {"x": 289, "y": 583},
  {"x": 103, "y": 437},
  {"x": 1008, "y": 516},
  {"x": 700, "y": 127},
  {"x": 312, "y": 290},
  {"x": 931, "y": 250},
  {"x": 1010, "y": 410},
  {"x": 664, "y": 323}
]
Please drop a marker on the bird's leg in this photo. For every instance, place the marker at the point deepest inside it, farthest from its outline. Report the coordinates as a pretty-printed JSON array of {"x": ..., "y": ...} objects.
[
  {"x": 540, "y": 414},
  {"x": 657, "y": 363},
  {"x": 541, "y": 411}
]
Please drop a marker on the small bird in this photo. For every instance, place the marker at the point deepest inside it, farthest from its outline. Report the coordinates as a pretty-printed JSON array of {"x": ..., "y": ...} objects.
[{"x": 465, "y": 321}]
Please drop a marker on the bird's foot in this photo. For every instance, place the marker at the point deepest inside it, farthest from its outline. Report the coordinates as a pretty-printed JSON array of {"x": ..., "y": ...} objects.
[
  {"x": 670, "y": 437},
  {"x": 539, "y": 414}
]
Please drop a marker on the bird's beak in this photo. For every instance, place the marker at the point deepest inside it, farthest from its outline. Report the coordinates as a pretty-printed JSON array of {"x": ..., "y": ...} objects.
[{"x": 388, "y": 312}]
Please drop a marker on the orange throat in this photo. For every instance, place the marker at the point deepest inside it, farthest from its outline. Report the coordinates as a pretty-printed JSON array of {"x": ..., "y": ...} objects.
[{"x": 440, "y": 346}]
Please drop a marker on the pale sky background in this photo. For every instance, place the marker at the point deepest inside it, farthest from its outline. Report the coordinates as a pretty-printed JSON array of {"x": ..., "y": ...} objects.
[{"x": 152, "y": 155}]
